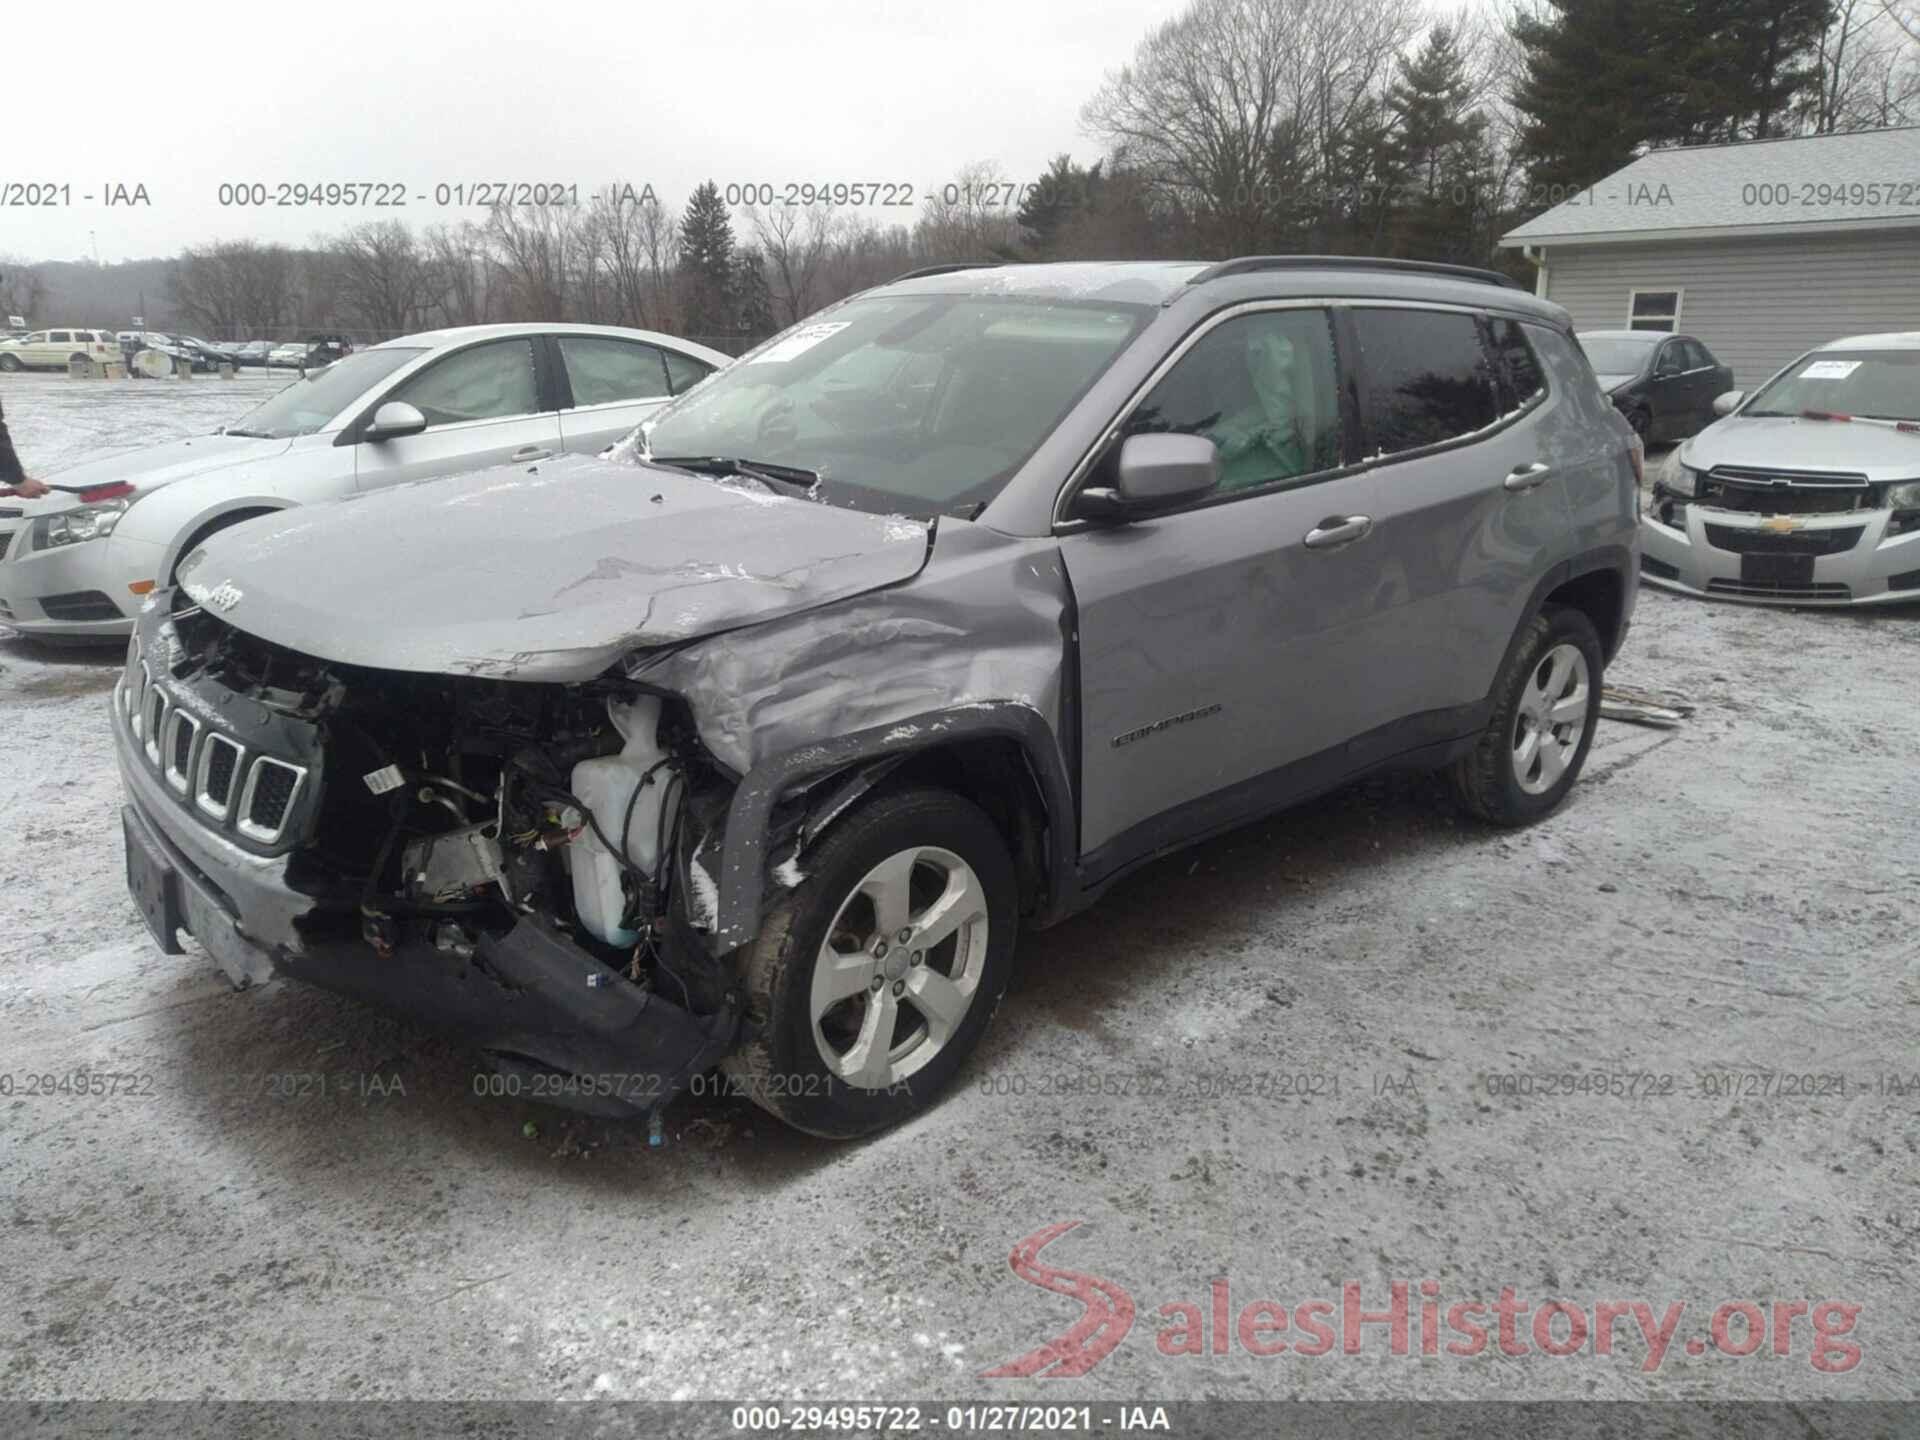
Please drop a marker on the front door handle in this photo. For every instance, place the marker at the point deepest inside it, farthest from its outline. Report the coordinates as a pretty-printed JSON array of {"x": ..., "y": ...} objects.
[
  {"x": 1338, "y": 530},
  {"x": 1528, "y": 477},
  {"x": 529, "y": 452}
]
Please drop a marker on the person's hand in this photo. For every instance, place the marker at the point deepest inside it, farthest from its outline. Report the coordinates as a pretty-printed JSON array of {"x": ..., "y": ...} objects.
[{"x": 28, "y": 489}]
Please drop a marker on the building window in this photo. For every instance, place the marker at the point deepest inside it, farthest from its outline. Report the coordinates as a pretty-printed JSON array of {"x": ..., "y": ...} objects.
[{"x": 1654, "y": 310}]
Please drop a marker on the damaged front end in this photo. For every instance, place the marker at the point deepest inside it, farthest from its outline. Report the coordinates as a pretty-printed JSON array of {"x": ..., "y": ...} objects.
[{"x": 503, "y": 859}]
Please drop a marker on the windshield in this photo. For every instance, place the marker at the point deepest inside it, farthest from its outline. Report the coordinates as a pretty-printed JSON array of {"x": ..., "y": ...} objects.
[
  {"x": 312, "y": 403},
  {"x": 1867, "y": 384},
  {"x": 1616, "y": 357},
  {"x": 916, "y": 404}
]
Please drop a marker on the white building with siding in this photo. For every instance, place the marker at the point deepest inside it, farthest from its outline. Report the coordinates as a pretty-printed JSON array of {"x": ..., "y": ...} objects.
[{"x": 1762, "y": 250}]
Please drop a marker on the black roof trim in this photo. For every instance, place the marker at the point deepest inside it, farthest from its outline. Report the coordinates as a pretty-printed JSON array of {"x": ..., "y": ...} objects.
[
  {"x": 947, "y": 269},
  {"x": 1252, "y": 264}
]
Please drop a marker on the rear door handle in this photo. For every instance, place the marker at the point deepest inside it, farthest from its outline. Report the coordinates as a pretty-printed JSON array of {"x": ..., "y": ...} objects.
[
  {"x": 1528, "y": 477},
  {"x": 529, "y": 452},
  {"x": 1338, "y": 530}
]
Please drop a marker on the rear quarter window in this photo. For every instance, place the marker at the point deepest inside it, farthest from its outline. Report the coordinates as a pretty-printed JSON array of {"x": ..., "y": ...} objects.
[
  {"x": 1523, "y": 382},
  {"x": 1427, "y": 375}
]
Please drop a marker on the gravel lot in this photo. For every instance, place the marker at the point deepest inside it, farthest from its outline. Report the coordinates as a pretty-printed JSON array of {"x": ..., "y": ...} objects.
[{"x": 1738, "y": 895}]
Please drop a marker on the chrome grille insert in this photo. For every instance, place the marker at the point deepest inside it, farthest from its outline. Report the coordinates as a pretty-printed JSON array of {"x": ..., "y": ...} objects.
[
  {"x": 183, "y": 733},
  {"x": 219, "y": 767},
  {"x": 138, "y": 702},
  {"x": 154, "y": 709},
  {"x": 272, "y": 785}
]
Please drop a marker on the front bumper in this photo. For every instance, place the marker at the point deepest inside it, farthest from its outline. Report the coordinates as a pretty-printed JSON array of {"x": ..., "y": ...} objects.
[
  {"x": 549, "y": 1018},
  {"x": 73, "y": 592},
  {"x": 1854, "y": 561}
]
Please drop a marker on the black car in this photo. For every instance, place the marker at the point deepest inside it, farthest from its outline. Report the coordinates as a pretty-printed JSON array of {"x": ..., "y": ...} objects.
[
  {"x": 1664, "y": 384},
  {"x": 325, "y": 349}
]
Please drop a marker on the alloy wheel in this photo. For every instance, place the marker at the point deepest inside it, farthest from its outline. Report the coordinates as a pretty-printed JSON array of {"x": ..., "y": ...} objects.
[
  {"x": 900, "y": 968},
  {"x": 1550, "y": 719}
]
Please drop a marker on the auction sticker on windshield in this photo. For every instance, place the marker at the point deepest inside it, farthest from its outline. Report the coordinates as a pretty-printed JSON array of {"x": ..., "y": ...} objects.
[
  {"x": 1830, "y": 370},
  {"x": 799, "y": 342}
]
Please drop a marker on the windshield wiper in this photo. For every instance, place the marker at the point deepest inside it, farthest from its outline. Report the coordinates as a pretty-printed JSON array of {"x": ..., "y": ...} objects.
[
  {"x": 787, "y": 478},
  {"x": 246, "y": 434}
]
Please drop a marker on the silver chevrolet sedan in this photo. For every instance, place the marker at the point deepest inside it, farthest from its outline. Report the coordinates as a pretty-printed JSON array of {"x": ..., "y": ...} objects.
[
  {"x": 1807, "y": 492},
  {"x": 81, "y": 562}
]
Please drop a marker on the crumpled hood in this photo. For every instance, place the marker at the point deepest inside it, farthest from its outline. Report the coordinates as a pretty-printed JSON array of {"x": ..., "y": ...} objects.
[
  {"x": 158, "y": 465},
  {"x": 1788, "y": 442},
  {"x": 548, "y": 572}
]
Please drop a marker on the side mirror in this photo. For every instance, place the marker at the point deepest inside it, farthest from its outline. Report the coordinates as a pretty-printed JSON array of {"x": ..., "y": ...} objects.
[
  {"x": 1726, "y": 404},
  {"x": 393, "y": 420},
  {"x": 1155, "y": 472}
]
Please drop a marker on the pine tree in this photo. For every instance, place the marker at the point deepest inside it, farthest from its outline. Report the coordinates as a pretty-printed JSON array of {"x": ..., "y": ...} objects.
[
  {"x": 707, "y": 262},
  {"x": 752, "y": 297},
  {"x": 1063, "y": 191},
  {"x": 1597, "y": 87},
  {"x": 1436, "y": 151}
]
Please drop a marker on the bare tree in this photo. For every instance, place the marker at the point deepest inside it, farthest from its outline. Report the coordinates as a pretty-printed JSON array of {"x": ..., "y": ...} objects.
[
  {"x": 795, "y": 240},
  {"x": 382, "y": 278},
  {"x": 1197, "y": 110},
  {"x": 22, "y": 291},
  {"x": 974, "y": 216},
  {"x": 534, "y": 248},
  {"x": 236, "y": 288},
  {"x": 459, "y": 268},
  {"x": 635, "y": 237}
]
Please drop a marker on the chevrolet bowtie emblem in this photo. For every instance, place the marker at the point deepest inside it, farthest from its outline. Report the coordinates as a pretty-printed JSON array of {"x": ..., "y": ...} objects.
[{"x": 1781, "y": 524}]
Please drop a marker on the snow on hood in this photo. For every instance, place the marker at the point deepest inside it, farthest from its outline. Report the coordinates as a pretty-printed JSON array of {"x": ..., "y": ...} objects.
[
  {"x": 548, "y": 572},
  {"x": 1879, "y": 452},
  {"x": 158, "y": 465}
]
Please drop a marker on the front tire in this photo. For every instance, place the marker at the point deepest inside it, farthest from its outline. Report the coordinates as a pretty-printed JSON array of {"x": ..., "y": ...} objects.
[
  {"x": 10, "y": 364},
  {"x": 872, "y": 981},
  {"x": 1546, "y": 707}
]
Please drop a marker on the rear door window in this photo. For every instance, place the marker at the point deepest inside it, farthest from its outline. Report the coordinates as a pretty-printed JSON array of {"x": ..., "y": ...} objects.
[
  {"x": 604, "y": 372},
  {"x": 1427, "y": 377}
]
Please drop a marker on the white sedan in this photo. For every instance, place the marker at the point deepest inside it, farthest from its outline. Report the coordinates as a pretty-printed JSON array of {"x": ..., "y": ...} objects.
[{"x": 82, "y": 561}]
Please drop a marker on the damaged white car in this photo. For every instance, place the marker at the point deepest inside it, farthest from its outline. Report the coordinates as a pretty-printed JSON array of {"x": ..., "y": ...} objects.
[
  {"x": 1806, "y": 492},
  {"x": 751, "y": 744}
]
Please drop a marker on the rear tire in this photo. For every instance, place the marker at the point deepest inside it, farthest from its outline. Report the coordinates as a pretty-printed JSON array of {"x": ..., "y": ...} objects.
[
  {"x": 1546, "y": 705},
  {"x": 872, "y": 981}
]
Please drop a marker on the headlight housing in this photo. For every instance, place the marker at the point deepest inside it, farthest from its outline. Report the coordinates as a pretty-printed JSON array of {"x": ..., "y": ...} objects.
[
  {"x": 83, "y": 522},
  {"x": 1904, "y": 496},
  {"x": 1680, "y": 480}
]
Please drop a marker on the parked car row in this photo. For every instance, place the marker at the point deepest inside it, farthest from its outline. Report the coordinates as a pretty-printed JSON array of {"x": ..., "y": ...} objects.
[{"x": 54, "y": 349}]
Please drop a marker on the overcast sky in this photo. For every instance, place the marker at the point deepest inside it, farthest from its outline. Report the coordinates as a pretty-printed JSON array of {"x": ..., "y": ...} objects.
[{"x": 181, "y": 97}]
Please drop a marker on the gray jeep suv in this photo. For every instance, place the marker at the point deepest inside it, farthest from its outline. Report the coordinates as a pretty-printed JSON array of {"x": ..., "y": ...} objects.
[{"x": 749, "y": 744}]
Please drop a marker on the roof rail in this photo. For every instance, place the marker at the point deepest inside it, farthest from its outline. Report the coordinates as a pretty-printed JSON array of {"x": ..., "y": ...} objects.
[
  {"x": 1251, "y": 264},
  {"x": 948, "y": 269}
]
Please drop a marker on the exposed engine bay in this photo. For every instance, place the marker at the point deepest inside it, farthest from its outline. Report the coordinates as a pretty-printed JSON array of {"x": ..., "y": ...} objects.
[{"x": 495, "y": 823}]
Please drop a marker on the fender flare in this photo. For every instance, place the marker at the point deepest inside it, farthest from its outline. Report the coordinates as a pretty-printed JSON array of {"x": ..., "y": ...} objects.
[{"x": 760, "y": 791}]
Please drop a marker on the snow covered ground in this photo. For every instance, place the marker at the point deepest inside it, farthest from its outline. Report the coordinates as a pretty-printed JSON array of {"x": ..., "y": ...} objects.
[{"x": 301, "y": 1198}]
